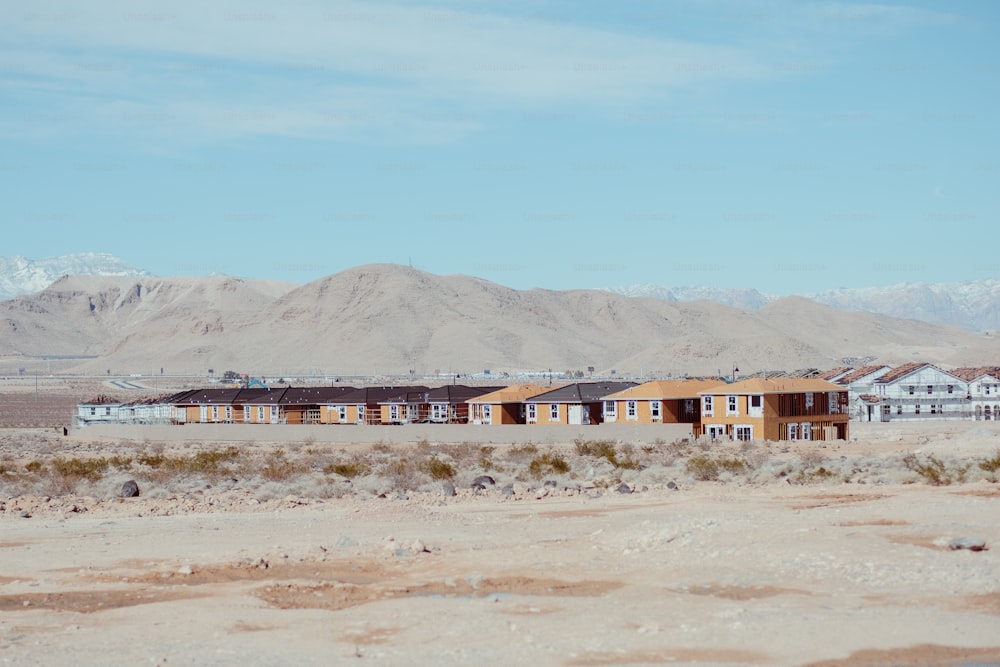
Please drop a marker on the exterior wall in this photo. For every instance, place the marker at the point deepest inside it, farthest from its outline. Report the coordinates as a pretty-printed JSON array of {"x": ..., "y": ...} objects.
[
  {"x": 413, "y": 433},
  {"x": 500, "y": 414},
  {"x": 778, "y": 412},
  {"x": 544, "y": 414},
  {"x": 984, "y": 398},
  {"x": 671, "y": 412},
  {"x": 899, "y": 403}
]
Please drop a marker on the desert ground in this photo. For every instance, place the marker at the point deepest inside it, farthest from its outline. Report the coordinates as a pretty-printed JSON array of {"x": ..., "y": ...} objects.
[{"x": 880, "y": 550}]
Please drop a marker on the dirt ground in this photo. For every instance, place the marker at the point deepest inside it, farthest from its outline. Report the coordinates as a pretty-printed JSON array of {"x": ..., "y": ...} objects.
[{"x": 774, "y": 565}]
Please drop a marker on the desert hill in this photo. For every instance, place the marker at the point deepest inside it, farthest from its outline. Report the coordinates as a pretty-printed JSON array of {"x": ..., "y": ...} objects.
[{"x": 389, "y": 319}]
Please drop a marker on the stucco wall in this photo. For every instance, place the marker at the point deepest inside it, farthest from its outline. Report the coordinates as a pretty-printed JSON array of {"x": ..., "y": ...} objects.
[{"x": 347, "y": 434}]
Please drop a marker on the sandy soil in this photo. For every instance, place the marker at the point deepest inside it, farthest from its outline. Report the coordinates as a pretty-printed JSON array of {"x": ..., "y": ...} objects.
[{"x": 733, "y": 572}]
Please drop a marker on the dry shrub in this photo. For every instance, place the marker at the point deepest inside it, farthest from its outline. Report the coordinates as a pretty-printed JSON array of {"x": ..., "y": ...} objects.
[
  {"x": 348, "y": 469},
  {"x": 547, "y": 463},
  {"x": 521, "y": 453},
  {"x": 438, "y": 469},
  {"x": 277, "y": 467},
  {"x": 934, "y": 471},
  {"x": 607, "y": 450}
]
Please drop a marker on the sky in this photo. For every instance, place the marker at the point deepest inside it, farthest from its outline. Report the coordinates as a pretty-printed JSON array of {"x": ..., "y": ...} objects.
[{"x": 783, "y": 145}]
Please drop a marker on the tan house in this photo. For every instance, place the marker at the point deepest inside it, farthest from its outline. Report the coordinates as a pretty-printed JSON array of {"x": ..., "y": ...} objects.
[
  {"x": 775, "y": 409},
  {"x": 362, "y": 406},
  {"x": 503, "y": 406},
  {"x": 579, "y": 403},
  {"x": 659, "y": 402}
]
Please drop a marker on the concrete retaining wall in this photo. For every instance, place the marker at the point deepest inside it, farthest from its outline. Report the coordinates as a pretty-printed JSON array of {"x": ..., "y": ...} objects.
[{"x": 410, "y": 433}]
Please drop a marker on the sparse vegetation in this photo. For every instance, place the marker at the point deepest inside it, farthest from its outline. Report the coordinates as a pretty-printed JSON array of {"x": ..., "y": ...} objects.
[
  {"x": 547, "y": 463},
  {"x": 991, "y": 465},
  {"x": 439, "y": 469},
  {"x": 350, "y": 469},
  {"x": 934, "y": 471},
  {"x": 607, "y": 450}
]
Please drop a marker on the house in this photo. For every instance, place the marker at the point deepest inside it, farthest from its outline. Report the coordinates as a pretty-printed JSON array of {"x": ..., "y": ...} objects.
[
  {"x": 658, "y": 402},
  {"x": 361, "y": 406},
  {"x": 579, "y": 403},
  {"x": 834, "y": 373},
  {"x": 258, "y": 405},
  {"x": 775, "y": 409},
  {"x": 149, "y": 410},
  {"x": 301, "y": 405},
  {"x": 503, "y": 406},
  {"x": 861, "y": 382},
  {"x": 919, "y": 391},
  {"x": 404, "y": 407},
  {"x": 982, "y": 391},
  {"x": 98, "y": 410},
  {"x": 450, "y": 403},
  {"x": 204, "y": 406}
]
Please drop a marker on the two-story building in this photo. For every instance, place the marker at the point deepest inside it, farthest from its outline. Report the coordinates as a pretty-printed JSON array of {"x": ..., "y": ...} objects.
[
  {"x": 659, "y": 402},
  {"x": 775, "y": 409},
  {"x": 578, "y": 403},
  {"x": 922, "y": 391},
  {"x": 503, "y": 406}
]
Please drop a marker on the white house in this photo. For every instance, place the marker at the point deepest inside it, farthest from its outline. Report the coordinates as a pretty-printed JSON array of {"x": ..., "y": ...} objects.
[
  {"x": 860, "y": 384},
  {"x": 919, "y": 391},
  {"x": 983, "y": 391}
]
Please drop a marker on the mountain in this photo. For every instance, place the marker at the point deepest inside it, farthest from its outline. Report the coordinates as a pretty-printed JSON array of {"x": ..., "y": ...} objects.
[
  {"x": 972, "y": 305},
  {"x": 388, "y": 319},
  {"x": 19, "y": 275}
]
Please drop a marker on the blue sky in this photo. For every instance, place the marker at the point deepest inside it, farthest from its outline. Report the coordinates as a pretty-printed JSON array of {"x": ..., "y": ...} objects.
[{"x": 789, "y": 146}]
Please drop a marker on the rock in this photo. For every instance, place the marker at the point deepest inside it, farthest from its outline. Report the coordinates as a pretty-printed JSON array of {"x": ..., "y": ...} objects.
[
  {"x": 401, "y": 496},
  {"x": 508, "y": 491},
  {"x": 969, "y": 543},
  {"x": 448, "y": 489},
  {"x": 130, "y": 489},
  {"x": 551, "y": 483},
  {"x": 672, "y": 486},
  {"x": 418, "y": 547},
  {"x": 623, "y": 488},
  {"x": 25, "y": 514},
  {"x": 484, "y": 481},
  {"x": 478, "y": 487}
]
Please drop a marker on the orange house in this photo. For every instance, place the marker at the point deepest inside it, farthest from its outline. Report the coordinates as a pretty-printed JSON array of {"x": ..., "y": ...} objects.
[
  {"x": 775, "y": 409},
  {"x": 205, "y": 406},
  {"x": 579, "y": 403},
  {"x": 503, "y": 406},
  {"x": 659, "y": 402},
  {"x": 362, "y": 406}
]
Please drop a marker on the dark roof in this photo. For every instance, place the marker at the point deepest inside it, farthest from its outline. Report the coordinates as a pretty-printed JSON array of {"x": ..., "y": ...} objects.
[
  {"x": 208, "y": 396},
  {"x": 457, "y": 393},
  {"x": 259, "y": 396},
  {"x": 314, "y": 395},
  {"x": 369, "y": 395},
  {"x": 581, "y": 392}
]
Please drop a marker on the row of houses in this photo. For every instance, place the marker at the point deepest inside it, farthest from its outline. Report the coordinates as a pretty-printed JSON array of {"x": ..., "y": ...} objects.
[{"x": 756, "y": 408}]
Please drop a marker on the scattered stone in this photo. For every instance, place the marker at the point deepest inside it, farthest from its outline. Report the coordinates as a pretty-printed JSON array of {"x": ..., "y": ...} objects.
[
  {"x": 968, "y": 543},
  {"x": 623, "y": 488},
  {"x": 484, "y": 481},
  {"x": 130, "y": 489},
  {"x": 478, "y": 487},
  {"x": 401, "y": 496},
  {"x": 672, "y": 486},
  {"x": 418, "y": 547},
  {"x": 551, "y": 483},
  {"x": 508, "y": 491},
  {"x": 25, "y": 514},
  {"x": 185, "y": 569},
  {"x": 448, "y": 489}
]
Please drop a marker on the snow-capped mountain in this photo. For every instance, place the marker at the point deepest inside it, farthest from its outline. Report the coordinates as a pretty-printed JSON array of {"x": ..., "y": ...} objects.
[
  {"x": 20, "y": 275},
  {"x": 973, "y": 304}
]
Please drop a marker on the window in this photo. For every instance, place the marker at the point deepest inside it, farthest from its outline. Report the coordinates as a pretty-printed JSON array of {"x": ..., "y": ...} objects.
[
  {"x": 930, "y": 389},
  {"x": 911, "y": 390},
  {"x": 832, "y": 404},
  {"x": 951, "y": 388},
  {"x": 229, "y": 413},
  {"x": 744, "y": 432},
  {"x": 899, "y": 409},
  {"x": 487, "y": 415},
  {"x": 553, "y": 412},
  {"x": 630, "y": 410},
  {"x": 260, "y": 413},
  {"x": 916, "y": 409},
  {"x": 215, "y": 413},
  {"x": 689, "y": 406},
  {"x": 706, "y": 405},
  {"x": 805, "y": 431},
  {"x": 342, "y": 413},
  {"x": 610, "y": 409},
  {"x": 933, "y": 408},
  {"x": 532, "y": 412},
  {"x": 393, "y": 412},
  {"x": 654, "y": 410},
  {"x": 93, "y": 411},
  {"x": 246, "y": 413},
  {"x": 731, "y": 405},
  {"x": 274, "y": 413},
  {"x": 809, "y": 399},
  {"x": 793, "y": 431}
]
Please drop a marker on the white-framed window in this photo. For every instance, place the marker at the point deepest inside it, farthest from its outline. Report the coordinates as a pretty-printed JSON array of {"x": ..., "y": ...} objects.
[
  {"x": 393, "y": 413},
  {"x": 246, "y": 413},
  {"x": 532, "y": 413},
  {"x": 732, "y": 405},
  {"x": 487, "y": 412},
  {"x": 930, "y": 389},
  {"x": 654, "y": 411},
  {"x": 630, "y": 410},
  {"x": 755, "y": 405},
  {"x": 439, "y": 412},
  {"x": 215, "y": 413},
  {"x": 832, "y": 402},
  {"x": 706, "y": 405},
  {"x": 951, "y": 388},
  {"x": 93, "y": 412},
  {"x": 743, "y": 432},
  {"x": 910, "y": 387},
  {"x": 916, "y": 409},
  {"x": 809, "y": 400},
  {"x": 274, "y": 414},
  {"x": 806, "y": 431},
  {"x": 229, "y": 413},
  {"x": 342, "y": 413},
  {"x": 553, "y": 412},
  {"x": 610, "y": 410},
  {"x": 260, "y": 413},
  {"x": 793, "y": 431},
  {"x": 107, "y": 411},
  {"x": 203, "y": 412}
]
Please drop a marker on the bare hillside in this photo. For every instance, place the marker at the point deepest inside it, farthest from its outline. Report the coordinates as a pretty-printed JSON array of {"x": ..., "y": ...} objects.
[{"x": 390, "y": 319}]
